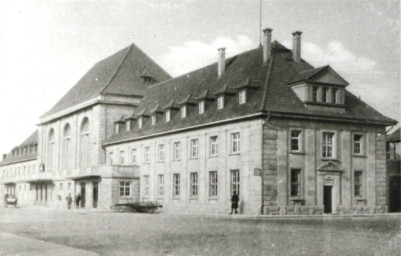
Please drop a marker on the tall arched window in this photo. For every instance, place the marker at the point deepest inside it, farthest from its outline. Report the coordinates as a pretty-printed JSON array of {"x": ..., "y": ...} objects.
[
  {"x": 66, "y": 148},
  {"x": 50, "y": 150},
  {"x": 84, "y": 149}
]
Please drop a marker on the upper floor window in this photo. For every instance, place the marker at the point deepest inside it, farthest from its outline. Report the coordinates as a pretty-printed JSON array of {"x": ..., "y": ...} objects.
[
  {"x": 295, "y": 140},
  {"x": 201, "y": 107},
  {"x": 177, "y": 150},
  {"x": 329, "y": 145},
  {"x": 242, "y": 97},
  {"x": 51, "y": 150},
  {"x": 194, "y": 148},
  {"x": 66, "y": 147},
  {"x": 220, "y": 102},
  {"x": 111, "y": 157},
  {"x": 213, "y": 146},
  {"x": 153, "y": 119},
  {"x": 161, "y": 152},
  {"x": 183, "y": 111},
  {"x": 324, "y": 94},
  {"x": 358, "y": 144},
  {"x": 133, "y": 156},
  {"x": 84, "y": 144},
  {"x": 168, "y": 115},
  {"x": 146, "y": 154},
  {"x": 122, "y": 157},
  {"x": 235, "y": 142}
]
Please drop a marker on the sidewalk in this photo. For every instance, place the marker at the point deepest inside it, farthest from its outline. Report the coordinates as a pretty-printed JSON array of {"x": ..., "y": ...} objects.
[{"x": 11, "y": 244}]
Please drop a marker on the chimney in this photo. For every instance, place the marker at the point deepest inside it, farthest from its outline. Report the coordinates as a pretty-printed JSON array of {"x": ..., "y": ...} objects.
[
  {"x": 221, "y": 62},
  {"x": 296, "y": 46},
  {"x": 267, "y": 44}
]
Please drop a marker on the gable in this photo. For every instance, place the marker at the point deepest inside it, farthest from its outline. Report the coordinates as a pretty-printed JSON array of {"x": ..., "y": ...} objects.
[{"x": 329, "y": 76}]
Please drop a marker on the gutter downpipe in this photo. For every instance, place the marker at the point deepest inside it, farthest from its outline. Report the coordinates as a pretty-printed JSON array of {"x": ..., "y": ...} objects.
[{"x": 262, "y": 172}]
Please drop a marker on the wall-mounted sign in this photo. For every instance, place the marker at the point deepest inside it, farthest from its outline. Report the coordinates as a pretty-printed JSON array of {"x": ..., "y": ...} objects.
[{"x": 328, "y": 180}]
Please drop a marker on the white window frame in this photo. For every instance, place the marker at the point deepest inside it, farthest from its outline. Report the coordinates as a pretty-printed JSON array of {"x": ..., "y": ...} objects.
[
  {"x": 146, "y": 154},
  {"x": 168, "y": 115},
  {"x": 161, "y": 153},
  {"x": 177, "y": 150},
  {"x": 160, "y": 185},
  {"x": 298, "y": 138},
  {"x": 194, "y": 181},
  {"x": 242, "y": 96},
  {"x": 183, "y": 111},
  {"x": 361, "y": 144},
  {"x": 176, "y": 185},
  {"x": 213, "y": 184},
  {"x": 125, "y": 186},
  {"x": 122, "y": 157},
  {"x": 201, "y": 107},
  {"x": 214, "y": 146},
  {"x": 194, "y": 148},
  {"x": 134, "y": 159},
  {"x": 325, "y": 146},
  {"x": 235, "y": 143},
  {"x": 220, "y": 102}
]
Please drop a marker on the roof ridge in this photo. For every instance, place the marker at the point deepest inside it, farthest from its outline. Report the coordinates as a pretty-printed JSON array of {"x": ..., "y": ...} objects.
[
  {"x": 267, "y": 83},
  {"x": 117, "y": 69}
]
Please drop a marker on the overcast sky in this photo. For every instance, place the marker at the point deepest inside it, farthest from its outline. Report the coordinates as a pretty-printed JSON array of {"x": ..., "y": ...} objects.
[{"x": 47, "y": 46}]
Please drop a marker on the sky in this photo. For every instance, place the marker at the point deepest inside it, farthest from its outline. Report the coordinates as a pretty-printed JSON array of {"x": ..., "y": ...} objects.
[{"x": 47, "y": 46}]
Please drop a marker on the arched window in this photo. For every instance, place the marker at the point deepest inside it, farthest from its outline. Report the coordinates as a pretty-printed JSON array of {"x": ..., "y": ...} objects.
[
  {"x": 66, "y": 148},
  {"x": 84, "y": 149},
  {"x": 50, "y": 150}
]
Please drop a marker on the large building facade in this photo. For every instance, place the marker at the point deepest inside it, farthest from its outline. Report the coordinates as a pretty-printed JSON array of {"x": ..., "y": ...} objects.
[{"x": 287, "y": 137}]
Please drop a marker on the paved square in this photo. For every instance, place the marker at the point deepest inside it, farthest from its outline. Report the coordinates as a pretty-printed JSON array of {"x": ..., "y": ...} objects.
[{"x": 112, "y": 233}]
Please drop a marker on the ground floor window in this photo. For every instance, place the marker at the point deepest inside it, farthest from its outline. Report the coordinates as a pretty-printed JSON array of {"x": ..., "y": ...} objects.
[
  {"x": 176, "y": 184},
  {"x": 160, "y": 183},
  {"x": 146, "y": 181},
  {"x": 194, "y": 184},
  {"x": 295, "y": 182},
  {"x": 125, "y": 188},
  {"x": 235, "y": 188},
  {"x": 212, "y": 183},
  {"x": 358, "y": 184}
]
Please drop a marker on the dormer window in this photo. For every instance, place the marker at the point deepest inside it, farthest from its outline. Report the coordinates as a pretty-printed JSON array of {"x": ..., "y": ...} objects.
[
  {"x": 116, "y": 128},
  {"x": 324, "y": 94},
  {"x": 314, "y": 93},
  {"x": 201, "y": 107},
  {"x": 183, "y": 111},
  {"x": 128, "y": 125},
  {"x": 153, "y": 119},
  {"x": 242, "y": 97},
  {"x": 220, "y": 102},
  {"x": 168, "y": 115},
  {"x": 140, "y": 120}
]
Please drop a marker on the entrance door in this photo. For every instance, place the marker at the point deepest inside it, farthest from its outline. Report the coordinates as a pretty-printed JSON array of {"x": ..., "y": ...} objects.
[
  {"x": 95, "y": 193},
  {"x": 83, "y": 194},
  {"x": 395, "y": 194},
  {"x": 327, "y": 198}
]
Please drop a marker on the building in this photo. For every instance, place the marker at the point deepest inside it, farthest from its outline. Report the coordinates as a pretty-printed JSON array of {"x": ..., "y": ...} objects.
[
  {"x": 287, "y": 137},
  {"x": 394, "y": 170}
]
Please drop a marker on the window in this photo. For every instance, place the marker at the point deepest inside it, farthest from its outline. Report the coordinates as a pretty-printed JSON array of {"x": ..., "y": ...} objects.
[
  {"x": 212, "y": 183},
  {"x": 295, "y": 182},
  {"x": 358, "y": 184},
  {"x": 168, "y": 115},
  {"x": 176, "y": 184},
  {"x": 242, "y": 97},
  {"x": 140, "y": 122},
  {"x": 235, "y": 142},
  {"x": 314, "y": 93},
  {"x": 161, "y": 152},
  {"x": 122, "y": 157},
  {"x": 183, "y": 111},
  {"x": 177, "y": 150},
  {"x": 213, "y": 146},
  {"x": 50, "y": 150},
  {"x": 146, "y": 185},
  {"x": 66, "y": 147},
  {"x": 358, "y": 144},
  {"x": 220, "y": 102},
  {"x": 324, "y": 94},
  {"x": 194, "y": 184},
  {"x": 111, "y": 156},
  {"x": 125, "y": 188},
  {"x": 160, "y": 185},
  {"x": 334, "y": 95},
  {"x": 295, "y": 140},
  {"x": 84, "y": 144},
  {"x": 235, "y": 182},
  {"x": 201, "y": 107},
  {"x": 328, "y": 145},
  {"x": 128, "y": 125},
  {"x": 146, "y": 154},
  {"x": 133, "y": 156},
  {"x": 153, "y": 119},
  {"x": 194, "y": 148}
]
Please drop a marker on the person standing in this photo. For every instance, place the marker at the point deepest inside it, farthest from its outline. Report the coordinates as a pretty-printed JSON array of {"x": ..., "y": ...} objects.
[
  {"x": 69, "y": 201},
  {"x": 234, "y": 203},
  {"x": 77, "y": 199}
]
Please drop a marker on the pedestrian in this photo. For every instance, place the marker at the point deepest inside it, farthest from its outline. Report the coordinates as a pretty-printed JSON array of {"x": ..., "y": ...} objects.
[
  {"x": 77, "y": 200},
  {"x": 69, "y": 201},
  {"x": 234, "y": 203}
]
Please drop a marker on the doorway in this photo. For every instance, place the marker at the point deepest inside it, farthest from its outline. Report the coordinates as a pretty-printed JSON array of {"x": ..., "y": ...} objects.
[
  {"x": 95, "y": 193},
  {"x": 327, "y": 198},
  {"x": 395, "y": 194},
  {"x": 83, "y": 194}
]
